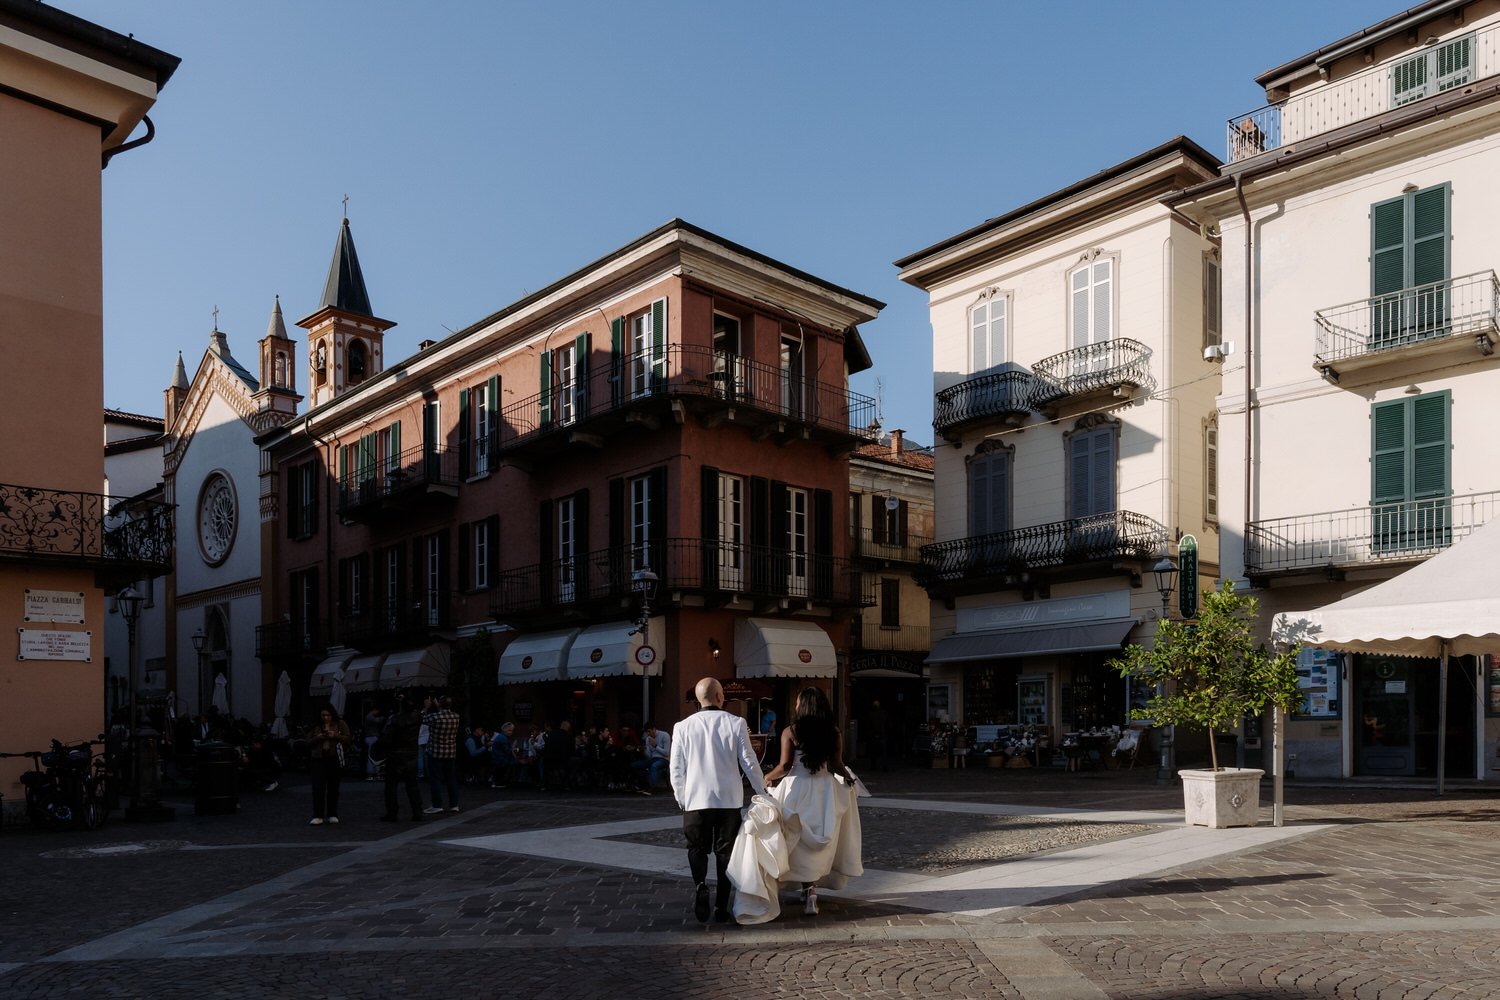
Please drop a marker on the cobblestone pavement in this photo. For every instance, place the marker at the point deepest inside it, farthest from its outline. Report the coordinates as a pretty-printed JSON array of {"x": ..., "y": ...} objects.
[{"x": 1380, "y": 893}]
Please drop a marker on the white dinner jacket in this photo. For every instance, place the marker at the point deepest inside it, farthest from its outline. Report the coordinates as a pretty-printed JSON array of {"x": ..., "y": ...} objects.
[{"x": 709, "y": 751}]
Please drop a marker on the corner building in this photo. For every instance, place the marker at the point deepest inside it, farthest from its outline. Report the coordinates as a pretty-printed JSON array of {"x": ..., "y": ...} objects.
[{"x": 679, "y": 407}]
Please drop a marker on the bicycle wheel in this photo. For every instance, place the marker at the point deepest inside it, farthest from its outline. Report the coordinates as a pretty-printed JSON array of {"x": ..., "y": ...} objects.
[{"x": 94, "y": 810}]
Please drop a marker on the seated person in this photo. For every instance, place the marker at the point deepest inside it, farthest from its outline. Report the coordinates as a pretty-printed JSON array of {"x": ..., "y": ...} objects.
[
  {"x": 502, "y": 756},
  {"x": 474, "y": 762}
]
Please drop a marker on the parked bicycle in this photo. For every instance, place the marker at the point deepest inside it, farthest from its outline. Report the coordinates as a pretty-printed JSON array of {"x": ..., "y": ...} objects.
[{"x": 68, "y": 785}]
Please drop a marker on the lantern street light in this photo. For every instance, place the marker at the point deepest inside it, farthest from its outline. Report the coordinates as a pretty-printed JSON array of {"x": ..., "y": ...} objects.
[
  {"x": 1165, "y": 572},
  {"x": 643, "y": 582},
  {"x": 199, "y": 641},
  {"x": 145, "y": 800}
]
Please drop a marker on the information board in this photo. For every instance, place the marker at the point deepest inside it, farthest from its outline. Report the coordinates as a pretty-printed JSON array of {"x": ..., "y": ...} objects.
[{"x": 54, "y": 644}]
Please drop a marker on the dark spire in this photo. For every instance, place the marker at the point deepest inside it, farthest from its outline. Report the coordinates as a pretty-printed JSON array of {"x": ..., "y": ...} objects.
[{"x": 345, "y": 288}]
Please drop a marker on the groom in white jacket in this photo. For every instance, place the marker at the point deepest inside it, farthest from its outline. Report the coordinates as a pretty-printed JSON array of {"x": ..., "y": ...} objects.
[{"x": 710, "y": 749}]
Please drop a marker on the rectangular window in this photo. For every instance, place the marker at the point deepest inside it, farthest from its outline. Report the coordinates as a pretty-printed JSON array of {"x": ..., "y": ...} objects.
[
  {"x": 566, "y": 549},
  {"x": 1211, "y": 473},
  {"x": 302, "y": 496},
  {"x": 890, "y": 602},
  {"x": 356, "y": 571},
  {"x": 729, "y": 368},
  {"x": 565, "y": 359},
  {"x": 791, "y": 375},
  {"x": 640, "y": 522},
  {"x": 731, "y": 532},
  {"x": 1409, "y": 290},
  {"x": 390, "y": 453},
  {"x": 432, "y": 599},
  {"x": 391, "y": 586},
  {"x": 483, "y": 426},
  {"x": 431, "y": 470},
  {"x": 796, "y": 510},
  {"x": 1091, "y": 290},
  {"x": 648, "y": 350},
  {"x": 1091, "y": 472},
  {"x": 987, "y": 333},
  {"x": 1410, "y": 468},
  {"x": 989, "y": 493},
  {"x": 1213, "y": 302},
  {"x": 1440, "y": 68},
  {"x": 483, "y": 546}
]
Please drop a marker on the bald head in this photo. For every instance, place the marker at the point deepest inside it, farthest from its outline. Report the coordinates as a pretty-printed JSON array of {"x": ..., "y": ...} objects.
[{"x": 710, "y": 693}]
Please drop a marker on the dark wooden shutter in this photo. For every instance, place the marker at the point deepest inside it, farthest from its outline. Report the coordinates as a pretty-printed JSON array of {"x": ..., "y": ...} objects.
[
  {"x": 823, "y": 575},
  {"x": 584, "y": 587},
  {"x": 465, "y": 557},
  {"x": 708, "y": 516},
  {"x": 293, "y": 502},
  {"x": 445, "y": 557},
  {"x": 492, "y": 549},
  {"x": 877, "y": 519},
  {"x": 463, "y": 434},
  {"x": 619, "y": 542},
  {"x": 658, "y": 345},
  {"x": 581, "y": 376},
  {"x": 617, "y": 360},
  {"x": 901, "y": 515},
  {"x": 1078, "y": 475},
  {"x": 546, "y": 543},
  {"x": 345, "y": 568},
  {"x": 781, "y": 538},
  {"x": 545, "y": 415},
  {"x": 656, "y": 515}
]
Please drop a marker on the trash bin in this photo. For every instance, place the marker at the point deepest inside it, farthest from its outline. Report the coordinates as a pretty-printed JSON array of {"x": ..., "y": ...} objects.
[{"x": 216, "y": 779}]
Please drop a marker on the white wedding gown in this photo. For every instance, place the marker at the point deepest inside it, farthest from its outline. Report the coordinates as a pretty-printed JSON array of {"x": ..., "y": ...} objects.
[{"x": 806, "y": 830}]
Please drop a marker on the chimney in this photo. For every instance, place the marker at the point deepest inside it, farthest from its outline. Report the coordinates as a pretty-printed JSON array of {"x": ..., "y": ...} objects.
[
  {"x": 425, "y": 344},
  {"x": 896, "y": 442}
]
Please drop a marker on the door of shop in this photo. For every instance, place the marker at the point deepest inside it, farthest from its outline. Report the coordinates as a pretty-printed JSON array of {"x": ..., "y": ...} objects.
[{"x": 1396, "y": 717}]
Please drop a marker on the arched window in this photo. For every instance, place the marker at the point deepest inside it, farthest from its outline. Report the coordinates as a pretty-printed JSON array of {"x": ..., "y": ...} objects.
[
  {"x": 279, "y": 372},
  {"x": 1092, "y": 449},
  {"x": 989, "y": 489},
  {"x": 356, "y": 361},
  {"x": 320, "y": 363}
]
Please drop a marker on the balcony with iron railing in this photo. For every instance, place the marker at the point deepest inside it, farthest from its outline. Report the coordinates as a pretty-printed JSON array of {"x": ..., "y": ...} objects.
[
  {"x": 871, "y": 635},
  {"x": 903, "y": 547},
  {"x": 719, "y": 571},
  {"x": 1336, "y": 540},
  {"x": 377, "y": 628},
  {"x": 1412, "y": 77},
  {"x": 120, "y": 538},
  {"x": 646, "y": 385},
  {"x": 1004, "y": 396},
  {"x": 395, "y": 486},
  {"x": 1432, "y": 325},
  {"x": 288, "y": 639},
  {"x": 1109, "y": 367},
  {"x": 1078, "y": 547}
]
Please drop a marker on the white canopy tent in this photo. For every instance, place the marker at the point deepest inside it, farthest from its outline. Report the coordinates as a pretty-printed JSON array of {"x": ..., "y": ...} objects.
[
  {"x": 1446, "y": 606},
  {"x": 541, "y": 656},
  {"x": 608, "y": 650}
]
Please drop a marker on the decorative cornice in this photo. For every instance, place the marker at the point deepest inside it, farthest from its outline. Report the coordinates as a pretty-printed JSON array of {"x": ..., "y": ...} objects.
[{"x": 215, "y": 595}]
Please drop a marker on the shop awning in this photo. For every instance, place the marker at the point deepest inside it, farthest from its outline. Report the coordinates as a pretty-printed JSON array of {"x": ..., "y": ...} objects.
[
  {"x": 609, "y": 650},
  {"x": 539, "y": 657},
  {"x": 363, "y": 673},
  {"x": 425, "y": 667},
  {"x": 782, "y": 647},
  {"x": 1088, "y": 637},
  {"x": 322, "y": 678}
]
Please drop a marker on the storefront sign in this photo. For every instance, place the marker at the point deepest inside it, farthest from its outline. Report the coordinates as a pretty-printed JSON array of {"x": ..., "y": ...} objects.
[
  {"x": 522, "y": 711},
  {"x": 1187, "y": 577},
  {"x": 65, "y": 607},
  {"x": 54, "y": 644},
  {"x": 1054, "y": 611}
]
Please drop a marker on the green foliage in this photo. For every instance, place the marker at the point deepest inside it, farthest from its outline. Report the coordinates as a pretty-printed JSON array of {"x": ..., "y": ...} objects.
[{"x": 1210, "y": 673}]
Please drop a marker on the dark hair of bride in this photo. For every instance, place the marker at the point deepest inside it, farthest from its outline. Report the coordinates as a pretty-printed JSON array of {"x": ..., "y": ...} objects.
[{"x": 813, "y": 729}]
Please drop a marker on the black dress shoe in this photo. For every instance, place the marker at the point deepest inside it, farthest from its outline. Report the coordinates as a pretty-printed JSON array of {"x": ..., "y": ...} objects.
[
  {"x": 700, "y": 903},
  {"x": 721, "y": 916}
]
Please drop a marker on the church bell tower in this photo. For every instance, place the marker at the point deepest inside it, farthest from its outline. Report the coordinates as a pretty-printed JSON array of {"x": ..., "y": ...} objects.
[{"x": 345, "y": 340}]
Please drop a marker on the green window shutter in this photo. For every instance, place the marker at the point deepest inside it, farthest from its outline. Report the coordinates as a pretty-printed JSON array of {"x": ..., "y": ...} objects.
[
  {"x": 1429, "y": 235},
  {"x": 616, "y": 359},
  {"x": 1452, "y": 62},
  {"x": 344, "y": 467},
  {"x": 492, "y": 420},
  {"x": 545, "y": 414},
  {"x": 659, "y": 343},
  {"x": 395, "y": 459},
  {"x": 1388, "y": 246},
  {"x": 1429, "y": 446},
  {"x": 581, "y": 375},
  {"x": 1409, "y": 80},
  {"x": 1388, "y": 453},
  {"x": 463, "y": 434}
]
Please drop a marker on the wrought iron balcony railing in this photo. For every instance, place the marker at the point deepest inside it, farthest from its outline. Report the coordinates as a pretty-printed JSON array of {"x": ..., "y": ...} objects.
[
  {"x": 885, "y": 638},
  {"x": 905, "y": 548},
  {"x": 1365, "y": 94},
  {"x": 1004, "y": 395},
  {"x": 1108, "y": 364},
  {"x": 1118, "y": 534},
  {"x": 1357, "y": 536},
  {"x": 682, "y": 564},
  {"x": 383, "y": 627},
  {"x": 681, "y": 370},
  {"x": 409, "y": 474},
  {"x": 114, "y": 535},
  {"x": 1466, "y": 308},
  {"x": 284, "y": 639}
]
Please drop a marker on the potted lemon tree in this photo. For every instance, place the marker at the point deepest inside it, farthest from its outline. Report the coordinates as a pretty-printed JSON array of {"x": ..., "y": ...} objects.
[{"x": 1209, "y": 673}]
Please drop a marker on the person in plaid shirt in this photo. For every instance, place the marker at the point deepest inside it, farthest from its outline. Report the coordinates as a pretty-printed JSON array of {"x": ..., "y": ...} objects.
[{"x": 442, "y": 752}]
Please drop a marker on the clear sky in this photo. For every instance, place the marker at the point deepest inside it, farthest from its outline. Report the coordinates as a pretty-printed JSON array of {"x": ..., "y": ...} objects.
[{"x": 488, "y": 149}]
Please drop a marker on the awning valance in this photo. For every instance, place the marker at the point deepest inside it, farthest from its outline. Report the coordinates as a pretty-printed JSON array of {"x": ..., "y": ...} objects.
[
  {"x": 539, "y": 657},
  {"x": 609, "y": 650},
  {"x": 424, "y": 667},
  {"x": 363, "y": 673},
  {"x": 782, "y": 647},
  {"x": 322, "y": 677},
  {"x": 1086, "y": 637}
]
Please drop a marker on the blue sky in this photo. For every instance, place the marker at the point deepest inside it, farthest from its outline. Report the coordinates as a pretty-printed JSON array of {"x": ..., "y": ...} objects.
[{"x": 488, "y": 149}]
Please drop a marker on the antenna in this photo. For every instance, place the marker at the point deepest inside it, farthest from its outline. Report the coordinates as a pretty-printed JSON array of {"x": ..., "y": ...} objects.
[{"x": 880, "y": 401}]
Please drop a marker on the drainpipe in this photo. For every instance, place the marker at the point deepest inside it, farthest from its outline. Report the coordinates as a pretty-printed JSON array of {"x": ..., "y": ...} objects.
[{"x": 132, "y": 144}]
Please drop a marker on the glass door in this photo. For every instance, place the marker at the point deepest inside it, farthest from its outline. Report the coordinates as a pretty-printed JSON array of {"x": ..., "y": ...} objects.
[
  {"x": 1031, "y": 695},
  {"x": 1383, "y": 730}
]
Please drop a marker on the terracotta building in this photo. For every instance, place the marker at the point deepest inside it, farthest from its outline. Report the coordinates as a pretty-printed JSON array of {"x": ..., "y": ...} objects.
[
  {"x": 71, "y": 95},
  {"x": 677, "y": 409}
]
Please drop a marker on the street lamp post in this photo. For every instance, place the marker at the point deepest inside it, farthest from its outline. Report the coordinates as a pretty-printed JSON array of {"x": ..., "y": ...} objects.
[
  {"x": 145, "y": 801},
  {"x": 1165, "y": 572},
  {"x": 643, "y": 582},
  {"x": 199, "y": 641}
]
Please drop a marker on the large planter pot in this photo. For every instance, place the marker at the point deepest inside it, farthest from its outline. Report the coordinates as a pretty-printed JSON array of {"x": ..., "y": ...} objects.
[{"x": 1226, "y": 797}]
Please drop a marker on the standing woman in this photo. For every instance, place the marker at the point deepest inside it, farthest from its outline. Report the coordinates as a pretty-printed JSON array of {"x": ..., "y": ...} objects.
[
  {"x": 326, "y": 743},
  {"x": 816, "y": 791}
]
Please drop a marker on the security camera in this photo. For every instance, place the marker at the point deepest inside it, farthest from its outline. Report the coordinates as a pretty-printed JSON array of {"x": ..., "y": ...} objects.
[{"x": 1213, "y": 352}]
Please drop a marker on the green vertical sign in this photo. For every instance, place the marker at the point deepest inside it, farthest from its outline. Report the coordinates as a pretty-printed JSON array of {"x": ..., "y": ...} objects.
[{"x": 1187, "y": 577}]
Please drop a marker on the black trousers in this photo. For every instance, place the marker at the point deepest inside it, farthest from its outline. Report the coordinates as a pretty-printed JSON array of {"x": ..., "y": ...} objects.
[
  {"x": 711, "y": 831},
  {"x": 401, "y": 769}
]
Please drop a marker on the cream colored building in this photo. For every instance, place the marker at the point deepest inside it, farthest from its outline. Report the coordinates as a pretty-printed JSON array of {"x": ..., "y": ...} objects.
[
  {"x": 1074, "y": 412},
  {"x": 1371, "y": 255}
]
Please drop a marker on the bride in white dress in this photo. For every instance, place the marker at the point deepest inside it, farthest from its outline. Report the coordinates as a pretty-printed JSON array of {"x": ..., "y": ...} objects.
[{"x": 818, "y": 833}]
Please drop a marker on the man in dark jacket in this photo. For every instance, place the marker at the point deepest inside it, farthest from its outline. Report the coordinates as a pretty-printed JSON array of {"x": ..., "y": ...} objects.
[{"x": 400, "y": 744}]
